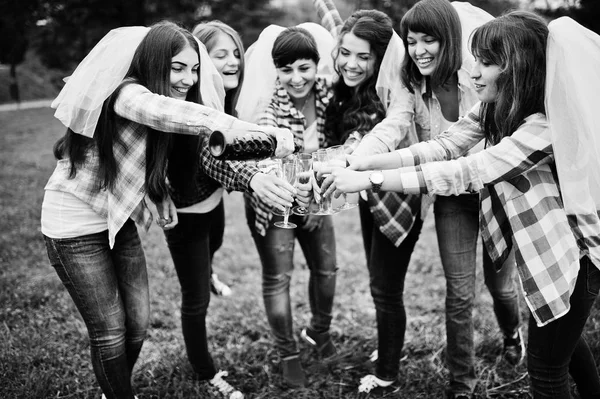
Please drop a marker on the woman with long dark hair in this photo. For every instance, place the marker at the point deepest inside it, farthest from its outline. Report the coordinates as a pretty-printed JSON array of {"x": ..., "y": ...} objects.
[
  {"x": 368, "y": 98},
  {"x": 538, "y": 180},
  {"x": 121, "y": 105}
]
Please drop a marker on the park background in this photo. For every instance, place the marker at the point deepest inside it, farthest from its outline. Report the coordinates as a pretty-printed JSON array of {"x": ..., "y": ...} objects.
[{"x": 44, "y": 351}]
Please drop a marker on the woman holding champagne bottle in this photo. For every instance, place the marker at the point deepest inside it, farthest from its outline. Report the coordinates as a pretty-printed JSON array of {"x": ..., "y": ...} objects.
[{"x": 297, "y": 101}]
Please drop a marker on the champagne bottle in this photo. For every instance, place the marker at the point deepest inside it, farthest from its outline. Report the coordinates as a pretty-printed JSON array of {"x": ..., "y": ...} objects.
[{"x": 242, "y": 145}]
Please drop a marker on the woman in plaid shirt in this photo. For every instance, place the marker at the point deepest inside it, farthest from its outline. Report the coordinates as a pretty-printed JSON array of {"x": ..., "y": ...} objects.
[
  {"x": 553, "y": 229},
  {"x": 97, "y": 191},
  {"x": 297, "y": 103},
  {"x": 390, "y": 222},
  {"x": 436, "y": 70}
]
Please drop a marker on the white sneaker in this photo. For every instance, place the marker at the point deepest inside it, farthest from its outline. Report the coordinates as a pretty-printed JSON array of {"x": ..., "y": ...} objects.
[
  {"x": 224, "y": 387},
  {"x": 218, "y": 287},
  {"x": 370, "y": 382}
]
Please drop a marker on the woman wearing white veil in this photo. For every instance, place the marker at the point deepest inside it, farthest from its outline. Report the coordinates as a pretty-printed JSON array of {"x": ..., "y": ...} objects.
[
  {"x": 290, "y": 87},
  {"x": 117, "y": 108},
  {"x": 369, "y": 100},
  {"x": 538, "y": 179},
  {"x": 436, "y": 72}
]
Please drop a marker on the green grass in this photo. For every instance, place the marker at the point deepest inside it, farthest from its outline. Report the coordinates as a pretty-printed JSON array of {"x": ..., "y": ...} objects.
[{"x": 43, "y": 343}]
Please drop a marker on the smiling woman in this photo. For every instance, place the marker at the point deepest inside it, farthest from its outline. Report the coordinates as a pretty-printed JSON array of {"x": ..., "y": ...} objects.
[
  {"x": 355, "y": 61},
  {"x": 184, "y": 72},
  {"x": 118, "y": 149}
]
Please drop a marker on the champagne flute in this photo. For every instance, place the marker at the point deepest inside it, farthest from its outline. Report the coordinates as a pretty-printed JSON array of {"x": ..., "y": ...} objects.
[
  {"x": 321, "y": 158},
  {"x": 271, "y": 166},
  {"x": 337, "y": 157},
  {"x": 304, "y": 172},
  {"x": 288, "y": 173}
]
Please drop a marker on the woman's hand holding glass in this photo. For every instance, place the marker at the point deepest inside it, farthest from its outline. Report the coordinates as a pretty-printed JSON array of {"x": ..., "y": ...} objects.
[
  {"x": 344, "y": 180},
  {"x": 304, "y": 186},
  {"x": 273, "y": 190},
  {"x": 288, "y": 174},
  {"x": 338, "y": 158},
  {"x": 321, "y": 161}
]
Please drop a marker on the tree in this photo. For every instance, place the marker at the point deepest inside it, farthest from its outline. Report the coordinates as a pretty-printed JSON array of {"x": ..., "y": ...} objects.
[
  {"x": 586, "y": 12},
  {"x": 73, "y": 27},
  {"x": 16, "y": 18}
]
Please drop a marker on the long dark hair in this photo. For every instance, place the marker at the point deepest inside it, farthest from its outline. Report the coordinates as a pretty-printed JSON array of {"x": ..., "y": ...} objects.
[
  {"x": 517, "y": 43},
  {"x": 439, "y": 19},
  {"x": 359, "y": 110},
  {"x": 150, "y": 67}
]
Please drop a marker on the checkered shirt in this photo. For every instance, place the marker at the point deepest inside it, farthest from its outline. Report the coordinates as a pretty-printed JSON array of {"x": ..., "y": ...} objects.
[
  {"x": 138, "y": 109},
  {"x": 393, "y": 213},
  {"x": 521, "y": 205},
  {"x": 213, "y": 174},
  {"x": 282, "y": 113}
]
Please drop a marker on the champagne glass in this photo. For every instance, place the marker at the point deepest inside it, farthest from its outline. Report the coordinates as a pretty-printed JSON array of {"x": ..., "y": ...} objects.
[
  {"x": 288, "y": 173},
  {"x": 271, "y": 166},
  {"x": 337, "y": 157},
  {"x": 304, "y": 172},
  {"x": 321, "y": 158}
]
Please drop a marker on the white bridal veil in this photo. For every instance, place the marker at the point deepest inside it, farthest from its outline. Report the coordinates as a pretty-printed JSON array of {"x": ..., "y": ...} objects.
[
  {"x": 79, "y": 103},
  {"x": 572, "y": 87},
  {"x": 258, "y": 88}
]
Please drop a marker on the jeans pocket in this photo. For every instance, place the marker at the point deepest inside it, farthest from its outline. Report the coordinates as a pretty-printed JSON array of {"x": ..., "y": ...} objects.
[{"x": 593, "y": 279}]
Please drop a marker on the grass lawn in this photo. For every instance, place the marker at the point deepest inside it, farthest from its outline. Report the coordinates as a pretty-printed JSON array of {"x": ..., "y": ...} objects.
[{"x": 43, "y": 342}]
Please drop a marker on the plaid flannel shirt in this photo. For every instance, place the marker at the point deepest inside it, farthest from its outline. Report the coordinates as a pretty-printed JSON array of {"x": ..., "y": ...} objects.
[
  {"x": 282, "y": 113},
  {"x": 394, "y": 213},
  {"x": 138, "y": 109},
  {"x": 521, "y": 205},
  {"x": 213, "y": 174}
]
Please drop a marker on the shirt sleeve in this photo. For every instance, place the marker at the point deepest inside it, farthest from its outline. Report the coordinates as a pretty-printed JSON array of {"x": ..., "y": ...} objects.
[
  {"x": 397, "y": 129},
  {"x": 527, "y": 148},
  {"x": 233, "y": 176},
  {"x": 451, "y": 144},
  {"x": 138, "y": 104}
]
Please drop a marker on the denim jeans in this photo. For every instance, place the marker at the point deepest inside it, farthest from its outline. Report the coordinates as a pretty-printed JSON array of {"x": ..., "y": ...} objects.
[
  {"x": 276, "y": 251},
  {"x": 457, "y": 227},
  {"x": 192, "y": 244},
  {"x": 110, "y": 289},
  {"x": 558, "y": 348},
  {"x": 387, "y": 266}
]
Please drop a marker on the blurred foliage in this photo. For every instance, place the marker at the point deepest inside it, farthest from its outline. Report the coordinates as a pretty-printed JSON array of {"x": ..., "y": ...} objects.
[
  {"x": 61, "y": 32},
  {"x": 73, "y": 27},
  {"x": 397, "y": 8},
  {"x": 16, "y": 19},
  {"x": 587, "y": 14}
]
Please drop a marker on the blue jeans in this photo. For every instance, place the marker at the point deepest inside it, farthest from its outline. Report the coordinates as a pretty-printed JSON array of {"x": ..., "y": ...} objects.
[
  {"x": 457, "y": 227},
  {"x": 192, "y": 244},
  {"x": 558, "y": 349},
  {"x": 110, "y": 289},
  {"x": 387, "y": 266},
  {"x": 276, "y": 251}
]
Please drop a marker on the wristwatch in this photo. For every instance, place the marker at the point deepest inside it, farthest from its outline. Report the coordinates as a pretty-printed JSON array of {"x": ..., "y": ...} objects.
[{"x": 376, "y": 179}]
